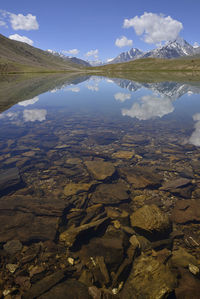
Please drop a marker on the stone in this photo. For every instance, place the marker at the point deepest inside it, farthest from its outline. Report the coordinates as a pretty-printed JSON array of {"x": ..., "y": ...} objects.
[
  {"x": 100, "y": 170},
  {"x": 109, "y": 194},
  {"x": 193, "y": 269},
  {"x": 134, "y": 242},
  {"x": 70, "y": 236},
  {"x": 181, "y": 187},
  {"x": 12, "y": 267},
  {"x": 12, "y": 247},
  {"x": 123, "y": 155},
  {"x": 70, "y": 288},
  {"x": 186, "y": 211},
  {"x": 76, "y": 188},
  {"x": 29, "y": 154},
  {"x": 28, "y": 218},
  {"x": 150, "y": 221},
  {"x": 149, "y": 279},
  {"x": 44, "y": 285},
  {"x": 188, "y": 287},
  {"x": 141, "y": 177},
  {"x": 181, "y": 258},
  {"x": 9, "y": 178}
]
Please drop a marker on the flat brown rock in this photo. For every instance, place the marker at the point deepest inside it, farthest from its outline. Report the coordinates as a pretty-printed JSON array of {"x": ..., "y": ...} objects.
[
  {"x": 109, "y": 194},
  {"x": 140, "y": 177},
  {"x": 100, "y": 170},
  {"x": 186, "y": 211},
  {"x": 27, "y": 218}
]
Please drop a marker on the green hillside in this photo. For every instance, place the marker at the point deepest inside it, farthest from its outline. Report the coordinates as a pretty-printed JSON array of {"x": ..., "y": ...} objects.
[
  {"x": 150, "y": 69},
  {"x": 20, "y": 57}
]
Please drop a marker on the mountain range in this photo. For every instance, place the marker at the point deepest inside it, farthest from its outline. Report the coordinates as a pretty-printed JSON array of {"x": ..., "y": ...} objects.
[
  {"x": 171, "y": 90},
  {"x": 68, "y": 58},
  {"x": 173, "y": 49}
]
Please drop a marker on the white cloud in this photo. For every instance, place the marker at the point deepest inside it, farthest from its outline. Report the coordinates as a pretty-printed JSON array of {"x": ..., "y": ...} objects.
[
  {"x": 29, "y": 102},
  {"x": 123, "y": 42},
  {"x": 34, "y": 114},
  {"x": 93, "y": 53},
  {"x": 73, "y": 89},
  {"x": 120, "y": 96},
  {"x": 149, "y": 108},
  {"x": 21, "y": 22},
  {"x": 21, "y": 38},
  {"x": 3, "y": 24},
  {"x": 71, "y": 52},
  {"x": 154, "y": 28},
  {"x": 196, "y": 45}
]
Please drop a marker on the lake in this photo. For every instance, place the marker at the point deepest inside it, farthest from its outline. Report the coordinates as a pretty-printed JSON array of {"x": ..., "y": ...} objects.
[{"x": 99, "y": 178}]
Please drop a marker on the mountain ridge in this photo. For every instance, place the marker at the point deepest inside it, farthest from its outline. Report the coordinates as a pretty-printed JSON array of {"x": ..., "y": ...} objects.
[{"x": 173, "y": 49}]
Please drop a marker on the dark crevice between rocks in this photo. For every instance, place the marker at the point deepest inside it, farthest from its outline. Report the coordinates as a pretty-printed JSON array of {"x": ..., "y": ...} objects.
[
  {"x": 84, "y": 237},
  {"x": 154, "y": 236}
]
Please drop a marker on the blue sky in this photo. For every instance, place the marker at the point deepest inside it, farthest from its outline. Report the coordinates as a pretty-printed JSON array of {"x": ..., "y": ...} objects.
[{"x": 99, "y": 27}]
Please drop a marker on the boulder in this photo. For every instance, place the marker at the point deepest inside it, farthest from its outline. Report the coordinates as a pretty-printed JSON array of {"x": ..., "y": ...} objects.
[
  {"x": 100, "y": 170},
  {"x": 109, "y": 194},
  {"x": 150, "y": 221},
  {"x": 149, "y": 279}
]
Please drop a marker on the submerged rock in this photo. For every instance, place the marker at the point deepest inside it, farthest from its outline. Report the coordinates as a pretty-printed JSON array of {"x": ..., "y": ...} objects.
[
  {"x": 181, "y": 258},
  {"x": 182, "y": 187},
  {"x": 186, "y": 211},
  {"x": 70, "y": 236},
  {"x": 75, "y": 188},
  {"x": 71, "y": 288},
  {"x": 141, "y": 177},
  {"x": 151, "y": 221},
  {"x": 109, "y": 194},
  {"x": 13, "y": 246},
  {"x": 100, "y": 170},
  {"x": 9, "y": 178},
  {"x": 149, "y": 279}
]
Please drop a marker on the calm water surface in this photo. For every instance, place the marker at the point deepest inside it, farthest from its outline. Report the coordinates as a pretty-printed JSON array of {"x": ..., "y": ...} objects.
[{"x": 144, "y": 137}]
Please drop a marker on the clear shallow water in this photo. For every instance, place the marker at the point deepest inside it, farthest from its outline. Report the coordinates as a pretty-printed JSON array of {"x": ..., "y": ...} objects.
[{"x": 146, "y": 128}]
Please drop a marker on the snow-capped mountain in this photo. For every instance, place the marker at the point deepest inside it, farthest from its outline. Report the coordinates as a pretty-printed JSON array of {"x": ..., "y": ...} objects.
[
  {"x": 72, "y": 59},
  {"x": 127, "y": 56},
  {"x": 172, "y": 49}
]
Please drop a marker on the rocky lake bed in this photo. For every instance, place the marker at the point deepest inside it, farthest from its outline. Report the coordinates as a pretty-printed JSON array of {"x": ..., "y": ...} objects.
[{"x": 98, "y": 208}]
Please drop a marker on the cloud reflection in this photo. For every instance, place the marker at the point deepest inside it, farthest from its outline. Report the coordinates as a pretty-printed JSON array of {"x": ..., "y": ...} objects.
[
  {"x": 195, "y": 137},
  {"x": 149, "y": 108},
  {"x": 34, "y": 115},
  {"x": 120, "y": 96}
]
